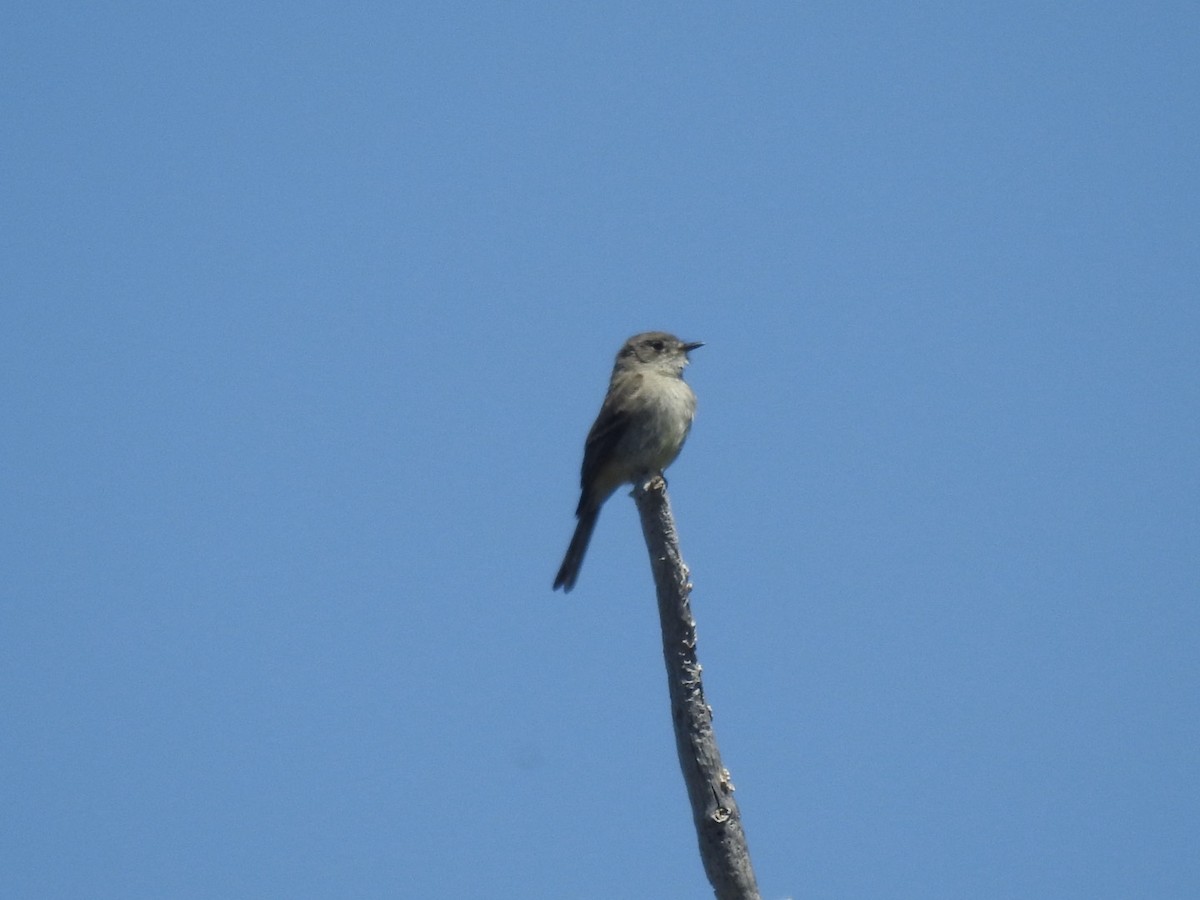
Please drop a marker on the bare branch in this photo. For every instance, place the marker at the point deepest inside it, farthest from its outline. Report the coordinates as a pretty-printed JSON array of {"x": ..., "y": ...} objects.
[{"x": 723, "y": 847}]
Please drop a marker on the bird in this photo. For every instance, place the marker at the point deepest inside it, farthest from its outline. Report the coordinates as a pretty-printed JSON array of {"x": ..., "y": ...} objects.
[{"x": 642, "y": 425}]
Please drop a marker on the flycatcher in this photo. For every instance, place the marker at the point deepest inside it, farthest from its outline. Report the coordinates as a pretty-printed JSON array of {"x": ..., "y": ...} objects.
[{"x": 641, "y": 428}]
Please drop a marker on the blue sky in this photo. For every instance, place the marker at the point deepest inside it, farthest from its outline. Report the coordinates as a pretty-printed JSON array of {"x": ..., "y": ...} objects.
[{"x": 308, "y": 310}]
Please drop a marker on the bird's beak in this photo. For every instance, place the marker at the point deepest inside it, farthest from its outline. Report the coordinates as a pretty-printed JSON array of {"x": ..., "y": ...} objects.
[{"x": 688, "y": 348}]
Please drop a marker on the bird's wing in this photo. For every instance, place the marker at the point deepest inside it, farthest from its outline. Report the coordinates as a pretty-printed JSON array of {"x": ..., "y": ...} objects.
[{"x": 607, "y": 431}]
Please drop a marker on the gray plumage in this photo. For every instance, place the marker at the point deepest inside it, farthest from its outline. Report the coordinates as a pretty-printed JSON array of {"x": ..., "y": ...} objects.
[{"x": 641, "y": 428}]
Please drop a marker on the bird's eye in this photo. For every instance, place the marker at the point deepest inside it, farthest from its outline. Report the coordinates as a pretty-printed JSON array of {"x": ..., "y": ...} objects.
[{"x": 657, "y": 345}]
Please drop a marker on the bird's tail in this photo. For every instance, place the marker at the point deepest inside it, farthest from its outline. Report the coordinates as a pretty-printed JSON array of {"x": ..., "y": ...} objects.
[{"x": 568, "y": 572}]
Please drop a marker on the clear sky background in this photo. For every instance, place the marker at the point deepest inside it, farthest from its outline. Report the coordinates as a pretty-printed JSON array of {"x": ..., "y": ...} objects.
[{"x": 307, "y": 310}]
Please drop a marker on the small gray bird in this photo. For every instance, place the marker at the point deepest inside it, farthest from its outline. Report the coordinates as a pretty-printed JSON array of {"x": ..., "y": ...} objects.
[{"x": 641, "y": 428}]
